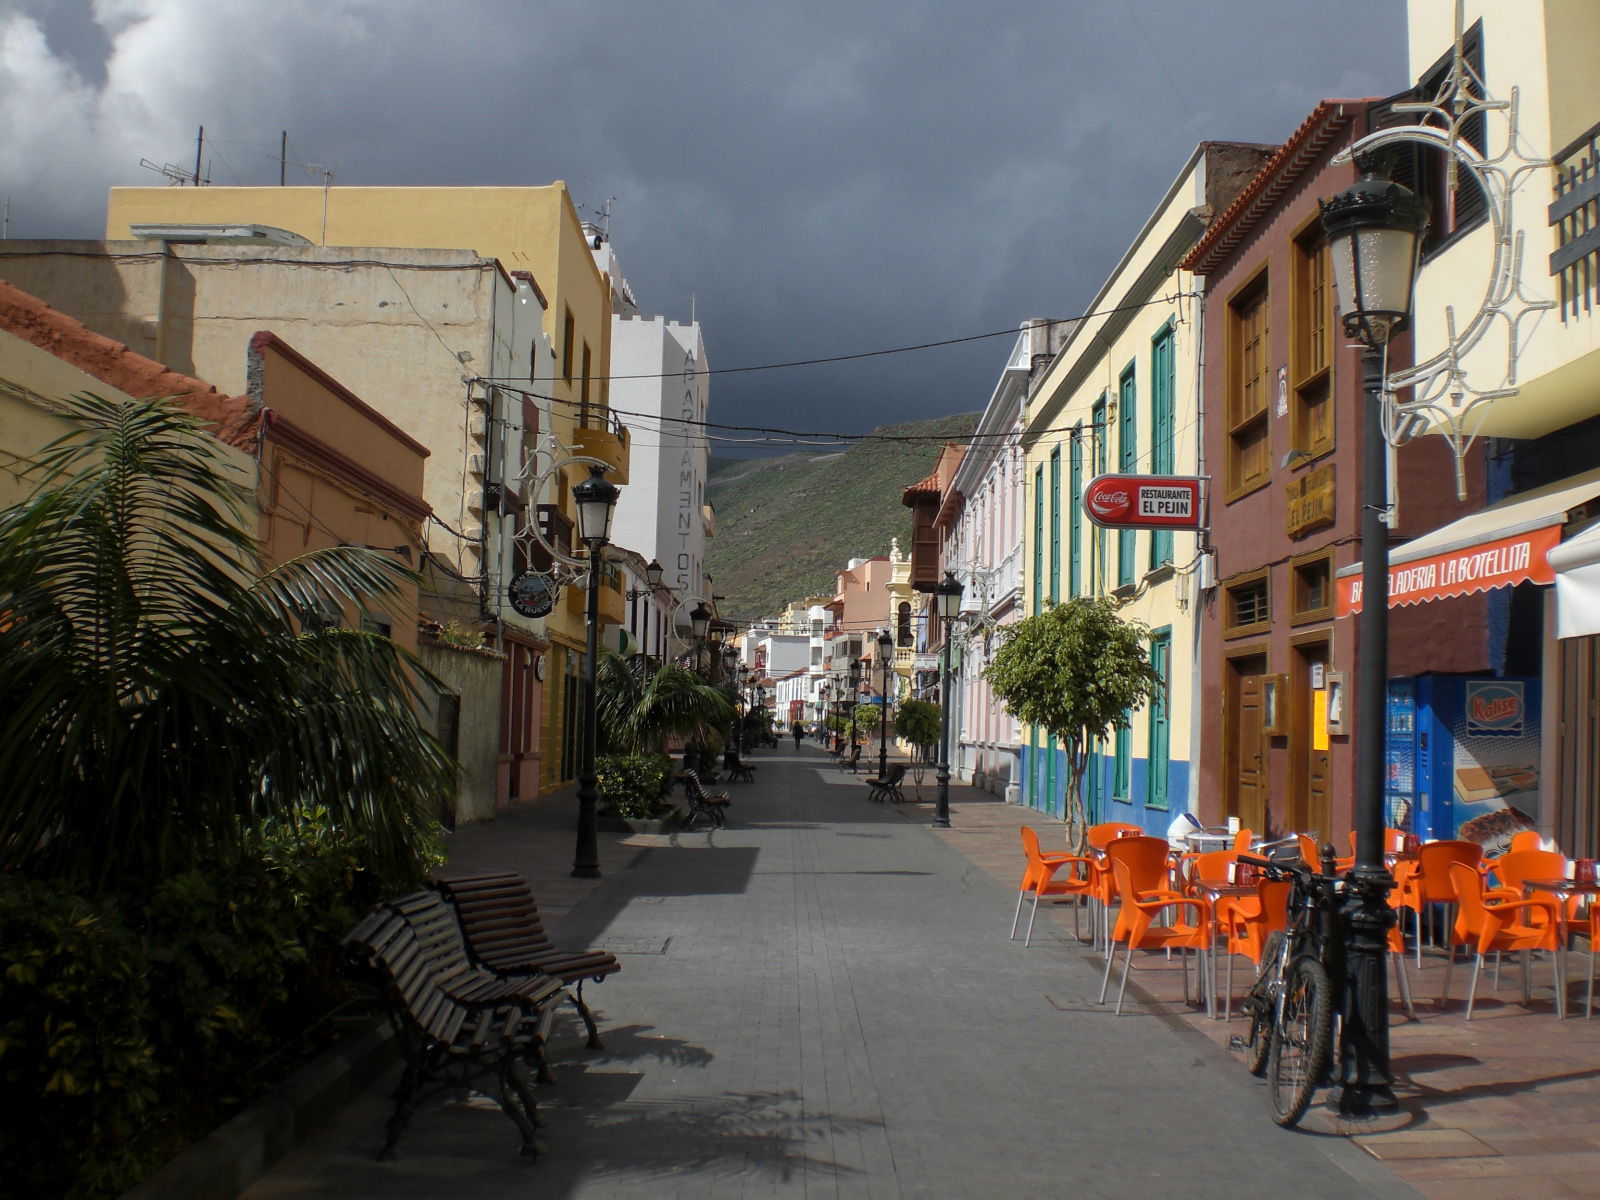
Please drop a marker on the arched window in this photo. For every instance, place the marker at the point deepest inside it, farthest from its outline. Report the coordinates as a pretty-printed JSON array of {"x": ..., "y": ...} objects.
[{"x": 904, "y": 631}]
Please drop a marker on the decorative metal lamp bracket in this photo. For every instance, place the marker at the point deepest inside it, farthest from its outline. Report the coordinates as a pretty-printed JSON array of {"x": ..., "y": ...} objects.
[
  {"x": 567, "y": 568},
  {"x": 1443, "y": 399}
]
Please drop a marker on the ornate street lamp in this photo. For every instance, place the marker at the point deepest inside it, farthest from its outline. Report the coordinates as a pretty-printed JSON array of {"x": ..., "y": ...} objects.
[
  {"x": 653, "y": 574},
  {"x": 886, "y": 664},
  {"x": 1374, "y": 231},
  {"x": 595, "y": 499},
  {"x": 947, "y": 600}
]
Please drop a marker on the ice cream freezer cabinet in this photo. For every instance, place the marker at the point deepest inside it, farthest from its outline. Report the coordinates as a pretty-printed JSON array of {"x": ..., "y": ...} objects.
[{"x": 1463, "y": 757}]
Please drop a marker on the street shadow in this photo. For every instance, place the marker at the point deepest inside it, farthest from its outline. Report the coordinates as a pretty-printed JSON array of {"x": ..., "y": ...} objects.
[{"x": 636, "y": 1043}]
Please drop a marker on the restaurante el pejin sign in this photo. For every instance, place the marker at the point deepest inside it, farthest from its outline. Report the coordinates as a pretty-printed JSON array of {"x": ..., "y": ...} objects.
[{"x": 1143, "y": 501}]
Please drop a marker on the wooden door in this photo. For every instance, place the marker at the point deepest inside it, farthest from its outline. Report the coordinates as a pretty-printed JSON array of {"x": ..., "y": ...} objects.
[
  {"x": 1310, "y": 803},
  {"x": 1247, "y": 798}
]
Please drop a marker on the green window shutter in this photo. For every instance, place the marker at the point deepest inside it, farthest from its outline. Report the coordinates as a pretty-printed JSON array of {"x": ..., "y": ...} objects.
[
  {"x": 1163, "y": 415},
  {"x": 1075, "y": 515},
  {"x": 1038, "y": 539},
  {"x": 1122, "y": 776},
  {"x": 1055, "y": 525},
  {"x": 1127, "y": 462},
  {"x": 1160, "y": 720},
  {"x": 1102, "y": 439}
]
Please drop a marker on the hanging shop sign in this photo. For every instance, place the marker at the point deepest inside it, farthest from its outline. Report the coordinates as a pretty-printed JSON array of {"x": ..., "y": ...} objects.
[
  {"x": 1144, "y": 501},
  {"x": 531, "y": 594}
]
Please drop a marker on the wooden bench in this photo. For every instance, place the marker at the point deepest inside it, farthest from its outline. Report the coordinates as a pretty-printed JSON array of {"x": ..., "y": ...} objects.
[
  {"x": 888, "y": 788},
  {"x": 848, "y": 762},
  {"x": 500, "y": 917},
  {"x": 702, "y": 803},
  {"x": 737, "y": 769},
  {"x": 452, "y": 1025}
]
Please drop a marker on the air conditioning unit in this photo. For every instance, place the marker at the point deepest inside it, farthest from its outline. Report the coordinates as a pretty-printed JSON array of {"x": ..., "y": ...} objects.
[{"x": 1206, "y": 571}]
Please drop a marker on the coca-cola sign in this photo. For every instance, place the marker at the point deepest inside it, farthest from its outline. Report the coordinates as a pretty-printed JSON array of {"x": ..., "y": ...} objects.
[{"x": 1144, "y": 501}]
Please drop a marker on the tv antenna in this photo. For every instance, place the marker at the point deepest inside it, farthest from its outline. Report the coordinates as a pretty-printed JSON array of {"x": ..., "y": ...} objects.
[{"x": 176, "y": 174}]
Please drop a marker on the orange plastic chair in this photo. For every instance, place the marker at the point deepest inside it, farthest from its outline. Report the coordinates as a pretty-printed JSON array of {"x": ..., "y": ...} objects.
[
  {"x": 1039, "y": 879},
  {"x": 1101, "y": 835},
  {"x": 1311, "y": 854},
  {"x": 1515, "y": 866},
  {"x": 1594, "y": 928},
  {"x": 1242, "y": 840},
  {"x": 1527, "y": 839},
  {"x": 1139, "y": 865},
  {"x": 1246, "y": 922},
  {"x": 1523, "y": 925},
  {"x": 1206, "y": 864},
  {"x": 1430, "y": 881}
]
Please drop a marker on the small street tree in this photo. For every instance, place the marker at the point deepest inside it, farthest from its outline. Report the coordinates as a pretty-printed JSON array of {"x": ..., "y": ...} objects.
[
  {"x": 918, "y": 723},
  {"x": 1080, "y": 671}
]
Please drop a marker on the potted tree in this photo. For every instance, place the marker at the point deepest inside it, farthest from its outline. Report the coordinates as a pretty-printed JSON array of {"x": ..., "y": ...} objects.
[
  {"x": 917, "y": 722},
  {"x": 640, "y": 705}
]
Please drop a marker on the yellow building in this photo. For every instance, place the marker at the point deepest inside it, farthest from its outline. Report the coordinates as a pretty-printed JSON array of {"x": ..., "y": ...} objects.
[
  {"x": 535, "y": 233},
  {"x": 1122, "y": 397}
]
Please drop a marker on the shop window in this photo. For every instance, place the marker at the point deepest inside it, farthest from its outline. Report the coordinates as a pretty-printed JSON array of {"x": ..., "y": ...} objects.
[
  {"x": 1248, "y": 390},
  {"x": 1248, "y": 608}
]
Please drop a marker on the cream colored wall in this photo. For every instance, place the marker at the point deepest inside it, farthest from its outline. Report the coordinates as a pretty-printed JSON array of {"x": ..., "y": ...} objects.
[
  {"x": 1546, "y": 49},
  {"x": 1089, "y": 367},
  {"x": 30, "y": 377}
]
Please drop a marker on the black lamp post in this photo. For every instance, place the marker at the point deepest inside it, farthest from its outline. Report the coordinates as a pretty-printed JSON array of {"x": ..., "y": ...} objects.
[
  {"x": 595, "y": 499},
  {"x": 699, "y": 625},
  {"x": 822, "y": 710},
  {"x": 855, "y": 697},
  {"x": 1374, "y": 232},
  {"x": 886, "y": 664},
  {"x": 947, "y": 598}
]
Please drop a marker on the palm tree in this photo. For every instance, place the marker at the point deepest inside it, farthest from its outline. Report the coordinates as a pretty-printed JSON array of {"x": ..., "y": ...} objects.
[
  {"x": 162, "y": 697},
  {"x": 641, "y": 705}
]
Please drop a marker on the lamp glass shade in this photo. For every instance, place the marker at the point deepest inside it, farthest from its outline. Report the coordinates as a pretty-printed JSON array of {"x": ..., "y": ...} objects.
[
  {"x": 1374, "y": 233},
  {"x": 595, "y": 499},
  {"x": 855, "y": 674},
  {"x": 653, "y": 573},
  {"x": 947, "y": 597},
  {"x": 700, "y": 619}
]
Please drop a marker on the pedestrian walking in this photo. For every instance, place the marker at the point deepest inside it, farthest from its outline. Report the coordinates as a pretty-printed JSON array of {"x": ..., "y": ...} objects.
[{"x": 799, "y": 732}]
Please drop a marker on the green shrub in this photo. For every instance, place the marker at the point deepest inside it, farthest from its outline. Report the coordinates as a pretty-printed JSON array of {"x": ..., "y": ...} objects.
[
  {"x": 76, "y": 1055},
  {"x": 633, "y": 784}
]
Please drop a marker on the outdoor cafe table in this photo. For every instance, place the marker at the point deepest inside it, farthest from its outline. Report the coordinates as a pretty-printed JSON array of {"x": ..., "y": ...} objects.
[
  {"x": 1214, "y": 890},
  {"x": 1563, "y": 890}
]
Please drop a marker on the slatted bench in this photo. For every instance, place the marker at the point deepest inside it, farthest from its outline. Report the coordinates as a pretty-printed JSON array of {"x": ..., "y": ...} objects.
[
  {"x": 500, "y": 917},
  {"x": 702, "y": 803},
  {"x": 888, "y": 788},
  {"x": 447, "y": 1039},
  {"x": 738, "y": 770}
]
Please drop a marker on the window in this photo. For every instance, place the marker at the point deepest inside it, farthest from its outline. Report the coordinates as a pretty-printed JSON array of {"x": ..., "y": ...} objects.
[
  {"x": 1311, "y": 348},
  {"x": 1128, "y": 460},
  {"x": 1122, "y": 770},
  {"x": 1248, "y": 383},
  {"x": 1102, "y": 440},
  {"x": 1160, "y": 749},
  {"x": 583, "y": 388},
  {"x": 903, "y": 624},
  {"x": 1038, "y": 539},
  {"x": 1248, "y": 610},
  {"x": 569, "y": 334},
  {"x": 1163, "y": 433},
  {"x": 1055, "y": 525},
  {"x": 1311, "y": 598},
  {"x": 1075, "y": 515},
  {"x": 1454, "y": 206}
]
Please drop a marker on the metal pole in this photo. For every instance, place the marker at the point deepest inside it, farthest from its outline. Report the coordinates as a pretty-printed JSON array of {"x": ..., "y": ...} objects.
[
  {"x": 883, "y": 724},
  {"x": 941, "y": 812},
  {"x": 586, "y": 860},
  {"x": 1364, "y": 1049}
]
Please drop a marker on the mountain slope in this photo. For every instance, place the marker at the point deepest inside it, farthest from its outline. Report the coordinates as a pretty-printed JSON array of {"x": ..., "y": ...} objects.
[{"x": 786, "y": 525}]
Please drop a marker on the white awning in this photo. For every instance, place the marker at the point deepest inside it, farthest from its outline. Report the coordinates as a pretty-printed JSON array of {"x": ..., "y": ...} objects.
[
  {"x": 1504, "y": 544},
  {"x": 1577, "y": 566}
]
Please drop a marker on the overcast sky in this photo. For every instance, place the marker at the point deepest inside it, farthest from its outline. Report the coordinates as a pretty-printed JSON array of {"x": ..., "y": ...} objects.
[{"x": 813, "y": 178}]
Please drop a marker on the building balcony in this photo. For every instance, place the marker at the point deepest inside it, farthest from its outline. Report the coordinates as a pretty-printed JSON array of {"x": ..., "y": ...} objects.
[{"x": 601, "y": 436}]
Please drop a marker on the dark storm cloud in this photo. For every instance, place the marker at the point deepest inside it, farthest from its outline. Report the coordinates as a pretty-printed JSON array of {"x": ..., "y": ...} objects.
[{"x": 815, "y": 179}]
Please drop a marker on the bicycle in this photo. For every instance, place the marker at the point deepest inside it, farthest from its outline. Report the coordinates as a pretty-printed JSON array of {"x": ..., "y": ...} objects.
[{"x": 1295, "y": 999}]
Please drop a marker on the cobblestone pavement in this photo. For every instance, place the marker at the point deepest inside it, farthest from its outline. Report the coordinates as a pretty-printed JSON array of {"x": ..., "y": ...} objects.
[{"x": 821, "y": 1000}]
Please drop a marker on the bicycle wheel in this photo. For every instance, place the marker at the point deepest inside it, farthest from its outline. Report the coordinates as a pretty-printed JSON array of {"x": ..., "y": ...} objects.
[
  {"x": 1302, "y": 1040},
  {"x": 1263, "y": 1002}
]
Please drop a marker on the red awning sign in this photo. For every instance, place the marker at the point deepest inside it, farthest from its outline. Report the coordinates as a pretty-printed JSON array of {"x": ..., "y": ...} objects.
[
  {"x": 1500, "y": 563},
  {"x": 1143, "y": 501}
]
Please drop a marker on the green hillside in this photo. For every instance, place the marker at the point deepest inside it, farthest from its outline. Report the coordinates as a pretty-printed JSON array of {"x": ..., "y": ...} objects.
[{"x": 786, "y": 525}]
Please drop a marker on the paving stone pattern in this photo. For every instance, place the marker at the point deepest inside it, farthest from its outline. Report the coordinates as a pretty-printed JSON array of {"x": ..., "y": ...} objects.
[{"x": 821, "y": 1000}]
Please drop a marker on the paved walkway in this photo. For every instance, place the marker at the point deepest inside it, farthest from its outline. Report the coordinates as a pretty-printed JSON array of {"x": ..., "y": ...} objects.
[{"x": 820, "y": 1000}]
